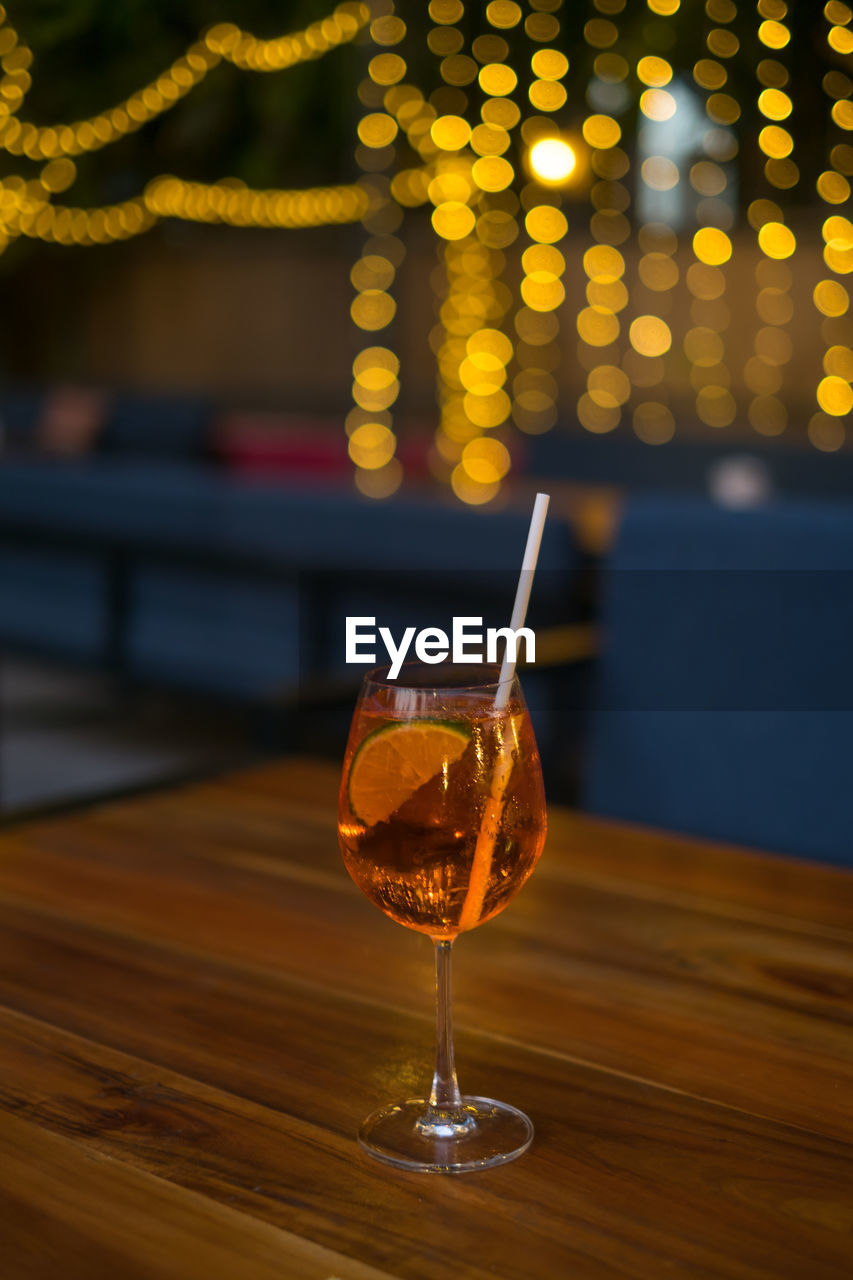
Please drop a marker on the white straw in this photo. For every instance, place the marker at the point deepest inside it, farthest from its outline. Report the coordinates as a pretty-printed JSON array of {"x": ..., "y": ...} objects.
[
  {"x": 490, "y": 823},
  {"x": 522, "y": 594}
]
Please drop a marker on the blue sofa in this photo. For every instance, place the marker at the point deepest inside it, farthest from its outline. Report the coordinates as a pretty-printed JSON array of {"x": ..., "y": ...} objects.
[
  {"x": 146, "y": 557},
  {"x": 723, "y": 699}
]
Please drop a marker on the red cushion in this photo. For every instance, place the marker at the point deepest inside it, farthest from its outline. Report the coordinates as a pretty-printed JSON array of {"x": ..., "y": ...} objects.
[{"x": 281, "y": 444}]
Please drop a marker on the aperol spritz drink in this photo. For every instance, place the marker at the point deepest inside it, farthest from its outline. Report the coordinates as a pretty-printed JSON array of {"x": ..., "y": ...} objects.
[{"x": 441, "y": 821}]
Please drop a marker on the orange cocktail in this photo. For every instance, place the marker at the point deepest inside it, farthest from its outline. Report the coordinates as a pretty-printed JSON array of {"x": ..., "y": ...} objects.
[{"x": 441, "y": 821}]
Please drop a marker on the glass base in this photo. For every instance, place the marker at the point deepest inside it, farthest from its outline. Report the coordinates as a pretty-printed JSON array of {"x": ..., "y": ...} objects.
[{"x": 481, "y": 1133}]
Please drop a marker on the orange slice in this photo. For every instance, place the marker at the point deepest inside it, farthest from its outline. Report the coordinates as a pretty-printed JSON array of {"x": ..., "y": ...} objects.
[{"x": 393, "y": 762}]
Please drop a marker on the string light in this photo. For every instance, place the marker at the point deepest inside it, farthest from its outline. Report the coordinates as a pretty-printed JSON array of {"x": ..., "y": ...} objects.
[
  {"x": 225, "y": 41},
  {"x": 376, "y": 368},
  {"x": 608, "y": 384},
  {"x": 704, "y": 341},
  {"x": 649, "y": 349},
  {"x": 474, "y": 215},
  {"x": 834, "y": 395},
  {"x": 26, "y": 208},
  {"x": 552, "y": 162},
  {"x": 491, "y": 163},
  {"x": 773, "y": 348}
]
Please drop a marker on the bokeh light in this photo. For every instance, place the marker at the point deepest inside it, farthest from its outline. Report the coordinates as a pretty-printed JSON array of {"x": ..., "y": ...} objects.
[{"x": 552, "y": 160}]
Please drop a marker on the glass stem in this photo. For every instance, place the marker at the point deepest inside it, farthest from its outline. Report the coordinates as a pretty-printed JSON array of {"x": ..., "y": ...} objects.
[{"x": 445, "y": 1096}]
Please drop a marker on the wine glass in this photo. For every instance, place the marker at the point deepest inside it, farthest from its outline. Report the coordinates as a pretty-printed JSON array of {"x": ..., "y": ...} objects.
[{"x": 441, "y": 821}]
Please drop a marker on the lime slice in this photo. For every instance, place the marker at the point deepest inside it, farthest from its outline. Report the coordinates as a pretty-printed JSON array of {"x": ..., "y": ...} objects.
[{"x": 393, "y": 762}]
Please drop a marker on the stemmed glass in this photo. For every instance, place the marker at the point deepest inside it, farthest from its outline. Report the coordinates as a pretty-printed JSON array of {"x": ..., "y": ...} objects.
[{"x": 441, "y": 821}]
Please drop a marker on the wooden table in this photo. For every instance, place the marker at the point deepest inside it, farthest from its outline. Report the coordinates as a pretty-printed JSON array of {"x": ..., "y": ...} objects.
[{"x": 197, "y": 1008}]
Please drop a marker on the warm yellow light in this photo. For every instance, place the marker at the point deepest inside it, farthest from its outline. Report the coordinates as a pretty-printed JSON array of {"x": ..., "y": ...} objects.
[
  {"x": 660, "y": 173},
  {"x": 372, "y": 272},
  {"x": 838, "y": 231},
  {"x": 450, "y": 186},
  {"x": 547, "y": 95},
  {"x": 835, "y": 11},
  {"x": 703, "y": 346},
  {"x": 833, "y": 188},
  {"x": 650, "y": 336},
  {"x": 712, "y": 246},
  {"x": 58, "y": 175},
  {"x": 838, "y": 258},
  {"x": 774, "y": 34},
  {"x": 549, "y": 64},
  {"x": 826, "y": 433},
  {"x": 611, "y": 68},
  {"x": 722, "y": 108},
  {"x": 666, "y": 8},
  {"x": 657, "y": 104},
  {"x": 502, "y": 113},
  {"x": 783, "y": 174},
  {"x": 724, "y": 44},
  {"x": 841, "y": 40},
  {"x": 453, "y": 220},
  {"x": 542, "y": 291},
  {"x": 708, "y": 178},
  {"x": 503, "y": 14},
  {"x": 489, "y": 410},
  {"x": 774, "y": 104},
  {"x": 768, "y": 415},
  {"x": 654, "y": 72},
  {"x": 543, "y": 257},
  {"x": 601, "y": 131},
  {"x": 598, "y": 326},
  {"x": 715, "y": 406},
  {"x": 653, "y": 422},
  {"x": 446, "y": 11},
  {"x": 546, "y": 224},
  {"x": 839, "y": 361},
  {"x": 497, "y": 79},
  {"x": 541, "y": 27},
  {"x": 552, "y": 160},
  {"x": 776, "y": 240},
  {"x": 774, "y": 306},
  {"x": 603, "y": 262},
  {"x": 773, "y": 345},
  {"x": 835, "y": 396},
  {"x": 377, "y": 129},
  {"x": 709, "y": 74},
  {"x": 842, "y": 114},
  {"x": 775, "y": 141},
  {"x": 489, "y": 140},
  {"x": 595, "y": 417},
  {"x": 612, "y": 297},
  {"x": 608, "y": 386},
  {"x": 600, "y": 33},
  {"x": 472, "y": 491},
  {"x": 497, "y": 229},
  {"x": 831, "y": 298},
  {"x": 381, "y": 482},
  {"x": 450, "y": 133},
  {"x": 486, "y": 459},
  {"x": 373, "y": 309},
  {"x": 489, "y": 343},
  {"x": 478, "y": 380},
  {"x": 492, "y": 173},
  {"x": 371, "y": 445},
  {"x": 386, "y": 68},
  {"x": 658, "y": 272}
]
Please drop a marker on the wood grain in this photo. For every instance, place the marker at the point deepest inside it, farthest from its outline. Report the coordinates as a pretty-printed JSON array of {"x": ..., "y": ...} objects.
[
  {"x": 662, "y": 985},
  {"x": 197, "y": 1008},
  {"x": 71, "y": 1211}
]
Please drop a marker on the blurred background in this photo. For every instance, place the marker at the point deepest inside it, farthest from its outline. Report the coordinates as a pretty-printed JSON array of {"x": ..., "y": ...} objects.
[{"x": 300, "y": 300}]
